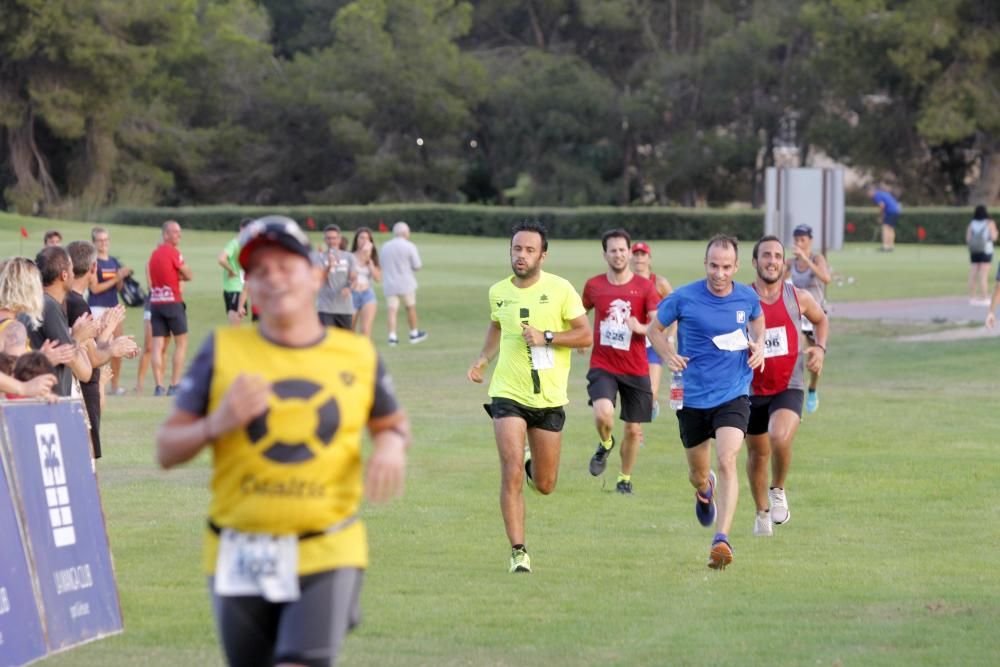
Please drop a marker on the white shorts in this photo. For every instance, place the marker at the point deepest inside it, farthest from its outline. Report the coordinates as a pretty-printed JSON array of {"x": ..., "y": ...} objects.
[
  {"x": 409, "y": 299},
  {"x": 97, "y": 311}
]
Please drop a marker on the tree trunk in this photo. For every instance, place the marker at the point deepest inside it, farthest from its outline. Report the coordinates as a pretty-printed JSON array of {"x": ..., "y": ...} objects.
[
  {"x": 986, "y": 190},
  {"x": 35, "y": 187}
]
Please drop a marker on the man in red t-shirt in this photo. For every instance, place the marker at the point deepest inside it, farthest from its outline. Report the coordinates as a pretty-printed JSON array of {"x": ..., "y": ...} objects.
[
  {"x": 168, "y": 315},
  {"x": 623, "y": 303},
  {"x": 778, "y": 386}
]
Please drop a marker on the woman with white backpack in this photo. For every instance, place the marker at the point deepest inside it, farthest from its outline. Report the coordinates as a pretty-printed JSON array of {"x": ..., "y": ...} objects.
[{"x": 979, "y": 236}]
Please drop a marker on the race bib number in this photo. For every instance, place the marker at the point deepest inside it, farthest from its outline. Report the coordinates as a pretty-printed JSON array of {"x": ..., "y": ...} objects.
[
  {"x": 257, "y": 564},
  {"x": 542, "y": 358},
  {"x": 617, "y": 336},
  {"x": 775, "y": 342}
]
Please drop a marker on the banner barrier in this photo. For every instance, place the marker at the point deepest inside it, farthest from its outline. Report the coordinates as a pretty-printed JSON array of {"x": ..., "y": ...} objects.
[{"x": 56, "y": 575}]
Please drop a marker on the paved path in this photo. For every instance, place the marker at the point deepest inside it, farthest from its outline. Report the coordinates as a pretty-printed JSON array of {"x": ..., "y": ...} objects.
[{"x": 942, "y": 310}]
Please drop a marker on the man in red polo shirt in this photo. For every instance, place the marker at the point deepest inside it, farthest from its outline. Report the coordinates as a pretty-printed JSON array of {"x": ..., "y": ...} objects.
[
  {"x": 622, "y": 302},
  {"x": 168, "y": 315}
]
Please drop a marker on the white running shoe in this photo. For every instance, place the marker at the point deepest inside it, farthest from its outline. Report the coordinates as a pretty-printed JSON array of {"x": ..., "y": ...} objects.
[
  {"x": 762, "y": 526},
  {"x": 779, "y": 506}
]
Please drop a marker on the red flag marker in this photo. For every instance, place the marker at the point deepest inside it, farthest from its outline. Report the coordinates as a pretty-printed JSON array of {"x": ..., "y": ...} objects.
[
  {"x": 851, "y": 228},
  {"x": 921, "y": 233},
  {"x": 310, "y": 223},
  {"x": 382, "y": 227},
  {"x": 24, "y": 232}
]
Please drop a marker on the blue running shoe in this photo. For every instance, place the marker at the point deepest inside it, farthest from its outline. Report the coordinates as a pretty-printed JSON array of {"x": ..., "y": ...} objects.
[
  {"x": 812, "y": 401},
  {"x": 704, "y": 508}
]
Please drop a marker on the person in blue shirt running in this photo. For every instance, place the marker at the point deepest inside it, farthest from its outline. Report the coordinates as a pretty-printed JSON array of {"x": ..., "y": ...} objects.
[{"x": 720, "y": 341}]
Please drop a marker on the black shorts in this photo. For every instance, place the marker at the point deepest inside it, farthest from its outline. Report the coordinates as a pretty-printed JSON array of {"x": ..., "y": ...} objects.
[
  {"x": 168, "y": 319},
  {"x": 91, "y": 393},
  {"x": 308, "y": 631},
  {"x": 980, "y": 258},
  {"x": 890, "y": 219},
  {"x": 762, "y": 407},
  {"x": 339, "y": 320},
  {"x": 698, "y": 424},
  {"x": 547, "y": 419},
  {"x": 232, "y": 301},
  {"x": 635, "y": 390}
]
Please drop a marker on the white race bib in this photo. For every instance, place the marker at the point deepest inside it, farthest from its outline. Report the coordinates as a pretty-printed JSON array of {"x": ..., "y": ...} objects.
[
  {"x": 618, "y": 336},
  {"x": 257, "y": 564},
  {"x": 542, "y": 357},
  {"x": 775, "y": 342},
  {"x": 734, "y": 341}
]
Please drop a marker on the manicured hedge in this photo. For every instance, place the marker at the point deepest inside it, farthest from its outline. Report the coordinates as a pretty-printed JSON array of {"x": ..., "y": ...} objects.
[{"x": 941, "y": 225}]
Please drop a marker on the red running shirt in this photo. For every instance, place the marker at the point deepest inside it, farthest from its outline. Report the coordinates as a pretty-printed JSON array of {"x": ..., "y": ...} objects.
[
  {"x": 164, "y": 275},
  {"x": 616, "y": 349}
]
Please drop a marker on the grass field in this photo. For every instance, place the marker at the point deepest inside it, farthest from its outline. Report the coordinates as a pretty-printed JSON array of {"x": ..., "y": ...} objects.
[{"x": 890, "y": 557}]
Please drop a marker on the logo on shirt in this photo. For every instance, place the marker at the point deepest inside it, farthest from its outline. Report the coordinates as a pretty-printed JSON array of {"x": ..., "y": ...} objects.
[
  {"x": 543, "y": 299},
  {"x": 500, "y": 303},
  {"x": 307, "y": 419},
  {"x": 741, "y": 316}
]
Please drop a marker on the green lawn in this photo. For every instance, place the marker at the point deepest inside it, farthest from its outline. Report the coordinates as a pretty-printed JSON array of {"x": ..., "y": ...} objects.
[{"x": 890, "y": 557}]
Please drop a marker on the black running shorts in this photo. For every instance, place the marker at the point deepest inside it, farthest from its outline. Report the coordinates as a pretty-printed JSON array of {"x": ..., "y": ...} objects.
[
  {"x": 168, "y": 319},
  {"x": 762, "y": 407},
  {"x": 547, "y": 419},
  {"x": 698, "y": 425},
  {"x": 635, "y": 390}
]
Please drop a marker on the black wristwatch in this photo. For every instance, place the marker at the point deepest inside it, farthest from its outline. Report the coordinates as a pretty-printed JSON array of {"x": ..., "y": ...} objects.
[{"x": 549, "y": 337}]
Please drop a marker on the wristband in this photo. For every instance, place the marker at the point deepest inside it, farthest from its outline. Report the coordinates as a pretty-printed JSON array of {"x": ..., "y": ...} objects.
[{"x": 820, "y": 347}]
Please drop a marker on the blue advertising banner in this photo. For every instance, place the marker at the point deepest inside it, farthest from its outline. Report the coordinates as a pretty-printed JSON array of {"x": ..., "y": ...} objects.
[
  {"x": 21, "y": 639},
  {"x": 47, "y": 447}
]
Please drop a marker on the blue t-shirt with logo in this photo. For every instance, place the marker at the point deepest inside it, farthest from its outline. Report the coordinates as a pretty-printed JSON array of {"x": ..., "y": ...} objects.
[
  {"x": 713, "y": 376},
  {"x": 891, "y": 205}
]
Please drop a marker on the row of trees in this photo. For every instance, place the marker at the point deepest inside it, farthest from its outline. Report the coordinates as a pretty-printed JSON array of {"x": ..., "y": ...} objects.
[{"x": 538, "y": 102}]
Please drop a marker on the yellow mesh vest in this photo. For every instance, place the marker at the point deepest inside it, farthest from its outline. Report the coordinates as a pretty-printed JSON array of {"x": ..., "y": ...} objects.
[{"x": 297, "y": 468}]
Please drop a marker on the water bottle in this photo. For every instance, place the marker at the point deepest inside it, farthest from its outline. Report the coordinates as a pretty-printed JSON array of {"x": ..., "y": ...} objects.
[{"x": 677, "y": 391}]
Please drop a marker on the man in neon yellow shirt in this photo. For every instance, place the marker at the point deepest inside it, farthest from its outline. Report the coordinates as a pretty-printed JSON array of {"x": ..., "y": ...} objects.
[{"x": 535, "y": 318}]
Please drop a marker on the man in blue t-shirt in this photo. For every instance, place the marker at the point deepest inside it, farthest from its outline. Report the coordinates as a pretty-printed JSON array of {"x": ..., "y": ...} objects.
[
  {"x": 888, "y": 213},
  {"x": 720, "y": 333}
]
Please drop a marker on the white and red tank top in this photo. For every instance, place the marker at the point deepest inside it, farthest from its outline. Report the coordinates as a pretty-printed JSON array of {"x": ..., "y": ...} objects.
[{"x": 783, "y": 368}]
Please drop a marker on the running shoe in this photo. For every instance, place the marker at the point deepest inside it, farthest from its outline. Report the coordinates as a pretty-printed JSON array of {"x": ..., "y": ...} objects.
[
  {"x": 527, "y": 468},
  {"x": 779, "y": 506},
  {"x": 519, "y": 560},
  {"x": 120, "y": 391},
  {"x": 172, "y": 390},
  {"x": 599, "y": 461},
  {"x": 159, "y": 391},
  {"x": 393, "y": 341},
  {"x": 704, "y": 508},
  {"x": 812, "y": 401},
  {"x": 721, "y": 554},
  {"x": 762, "y": 526},
  {"x": 418, "y": 337},
  {"x": 624, "y": 487}
]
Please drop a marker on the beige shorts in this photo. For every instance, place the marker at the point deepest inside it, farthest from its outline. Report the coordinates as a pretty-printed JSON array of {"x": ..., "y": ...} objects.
[{"x": 409, "y": 300}]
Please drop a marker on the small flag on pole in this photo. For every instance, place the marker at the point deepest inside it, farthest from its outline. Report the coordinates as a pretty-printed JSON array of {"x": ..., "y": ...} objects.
[
  {"x": 921, "y": 233},
  {"x": 382, "y": 227},
  {"x": 24, "y": 233},
  {"x": 310, "y": 223}
]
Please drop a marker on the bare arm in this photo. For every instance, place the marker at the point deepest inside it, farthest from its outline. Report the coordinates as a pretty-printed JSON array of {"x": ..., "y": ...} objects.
[
  {"x": 14, "y": 339},
  {"x": 663, "y": 287},
  {"x": 223, "y": 260},
  {"x": 386, "y": 470},
  {"x": 757, "y": 329},
  {"x": 815, "y": 354},
  {"x": 80, "y": 364},
  {"x": 39, "y": 386},
  {"x": 478, "y": 368},
  {"x": 185, "y": 272},
  {"x": 664, "y": 345}
]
